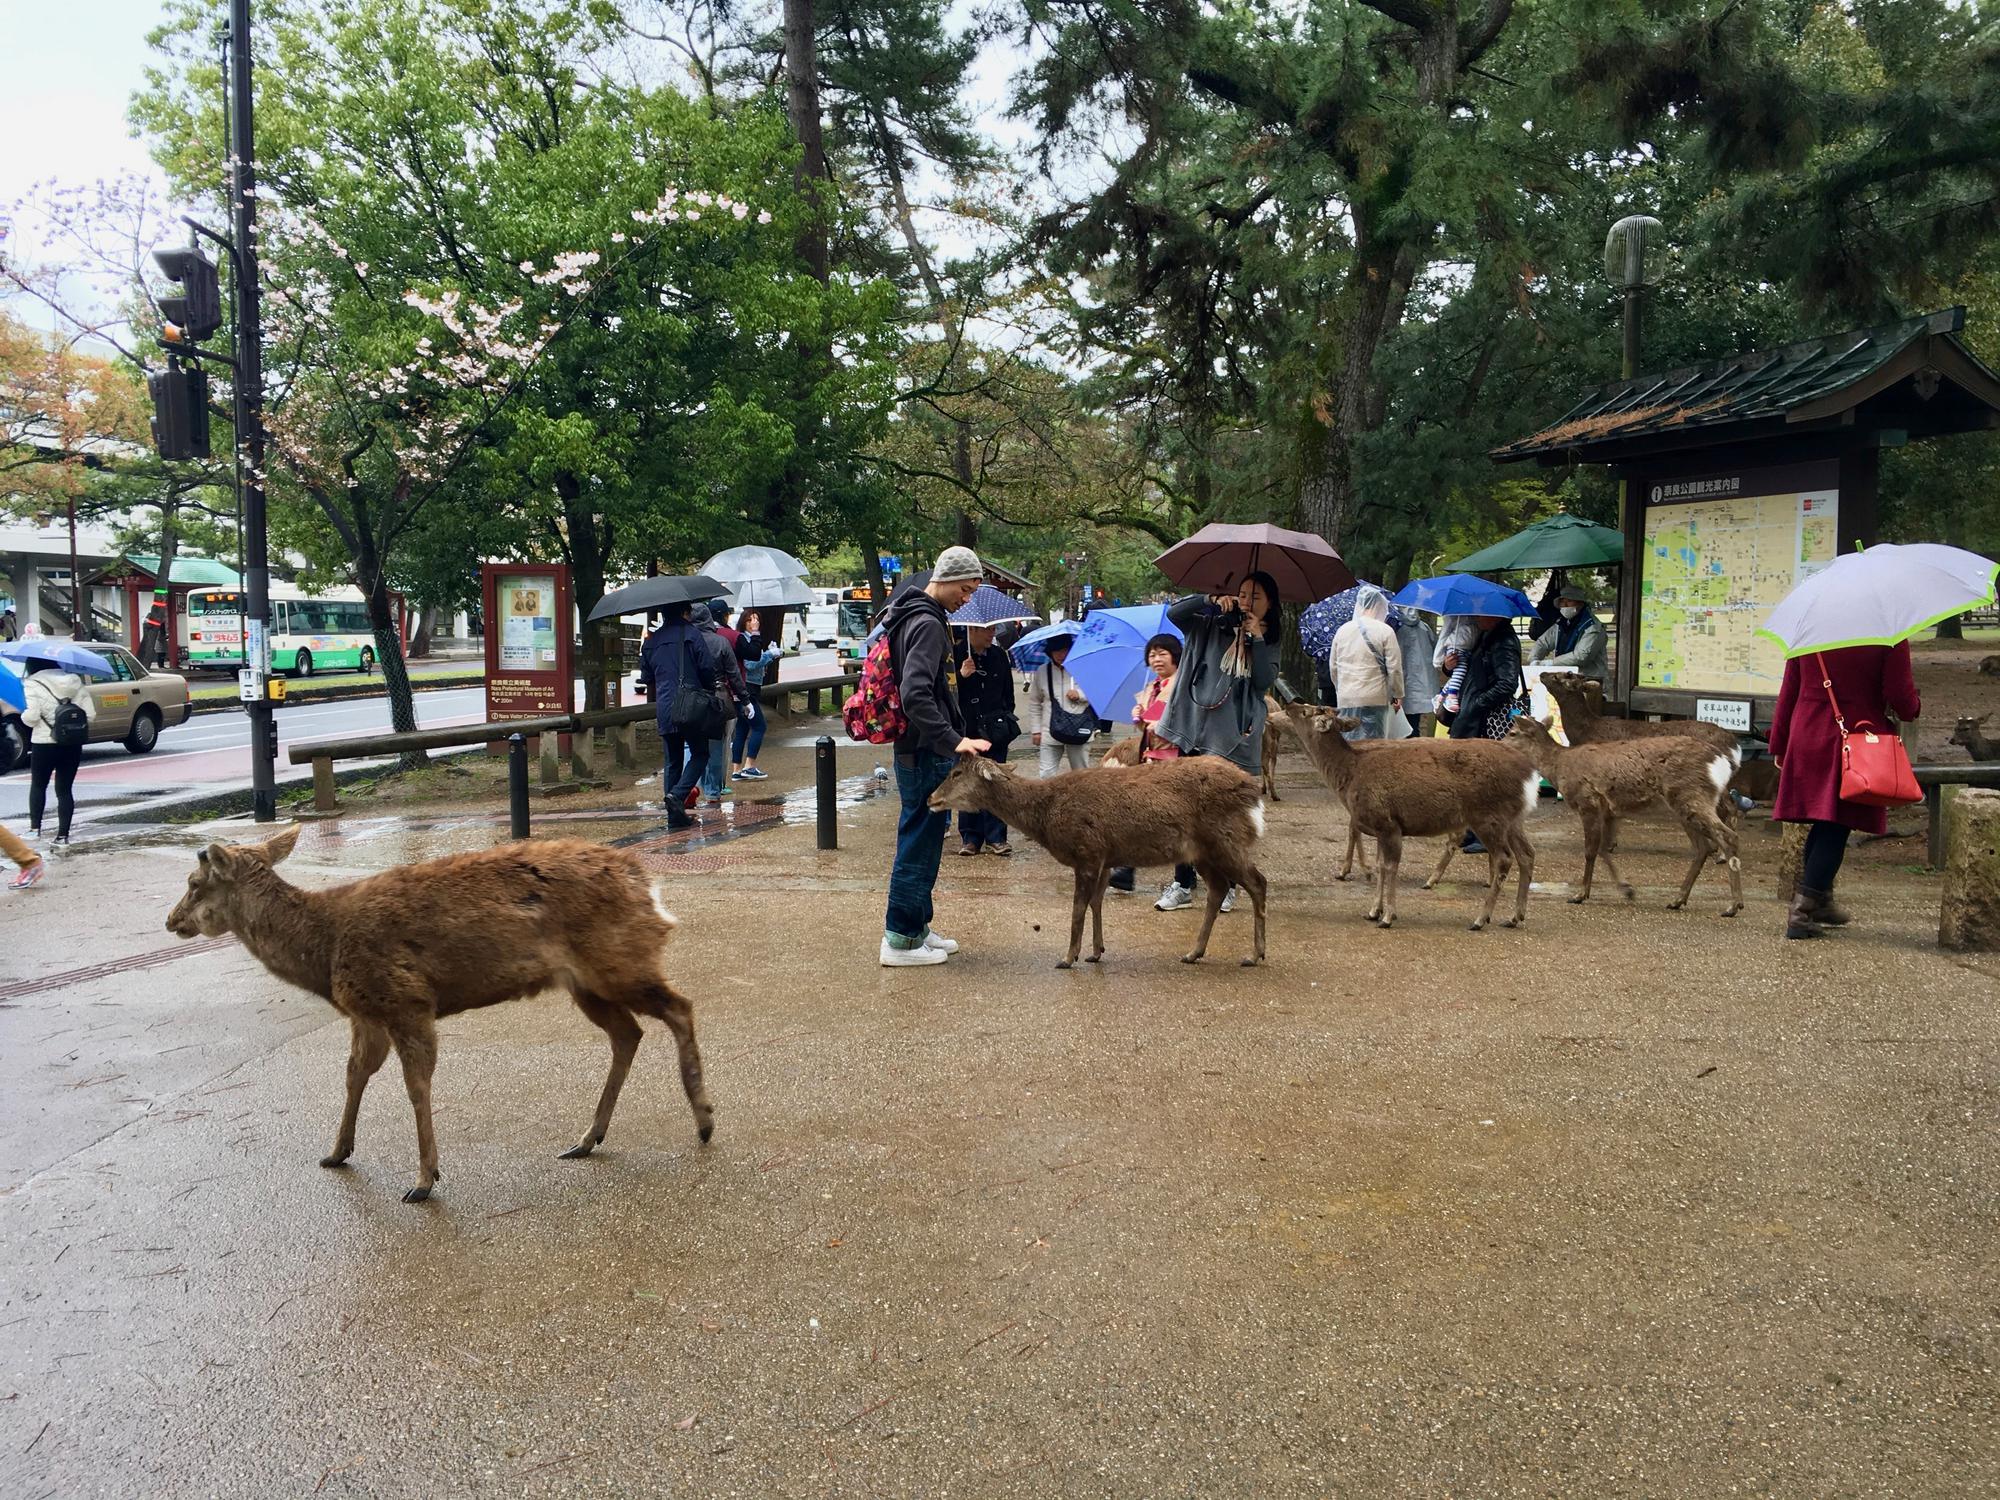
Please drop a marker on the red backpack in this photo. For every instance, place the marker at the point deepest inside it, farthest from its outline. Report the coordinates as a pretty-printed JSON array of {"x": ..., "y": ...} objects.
[{"x": 874, "y": 714}]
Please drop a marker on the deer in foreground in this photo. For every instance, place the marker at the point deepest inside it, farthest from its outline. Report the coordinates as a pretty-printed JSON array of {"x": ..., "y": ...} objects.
[
  {"x": 1605, "y": 782},
  {"x": 1971, "y": 734},
  {"x": 396, "y": 951},
  {"x": 1197, "y": 810},
  {"x": 1397, "y": 789}
]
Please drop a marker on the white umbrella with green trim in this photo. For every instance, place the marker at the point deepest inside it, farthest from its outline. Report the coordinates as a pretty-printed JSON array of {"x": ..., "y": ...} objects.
[{"x": 1881, "y": 596}]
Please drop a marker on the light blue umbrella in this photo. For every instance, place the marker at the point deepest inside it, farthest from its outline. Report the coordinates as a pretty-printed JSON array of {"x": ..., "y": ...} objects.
[
  {"x": 1028, "y": 653},
  {"x": 1462, "y": 594},
  {"x": 1108, "y": 660},
  {"x": 989, "y": 606},
  {"x": 62, "y": 653},
  {"x": 12, "y": 694}
]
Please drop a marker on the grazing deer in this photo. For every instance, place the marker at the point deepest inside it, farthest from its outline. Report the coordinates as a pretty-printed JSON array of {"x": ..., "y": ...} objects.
[{"x": 396, "y": 951}]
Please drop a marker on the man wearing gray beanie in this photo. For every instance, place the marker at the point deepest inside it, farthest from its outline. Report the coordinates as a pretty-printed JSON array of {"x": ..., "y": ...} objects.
[{"x": 919, "y": 630}]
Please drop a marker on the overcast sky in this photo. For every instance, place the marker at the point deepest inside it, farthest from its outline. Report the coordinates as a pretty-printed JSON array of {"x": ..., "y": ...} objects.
[{"x": 71, "y": 70}]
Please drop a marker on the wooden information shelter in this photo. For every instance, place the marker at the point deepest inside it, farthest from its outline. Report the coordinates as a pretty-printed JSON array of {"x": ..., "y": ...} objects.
[{"x": 1744, "y": 476}]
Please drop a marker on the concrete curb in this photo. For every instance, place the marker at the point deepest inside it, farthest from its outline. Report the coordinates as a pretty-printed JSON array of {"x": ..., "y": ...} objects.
[{"x": 336, "y": 694}]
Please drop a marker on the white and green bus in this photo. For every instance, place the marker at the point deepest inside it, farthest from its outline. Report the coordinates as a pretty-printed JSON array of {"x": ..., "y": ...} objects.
[{"x": 310, "y": 632}]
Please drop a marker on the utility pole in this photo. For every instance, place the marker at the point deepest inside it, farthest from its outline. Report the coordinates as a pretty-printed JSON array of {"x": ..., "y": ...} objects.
[{"x": 250, "y": 418}]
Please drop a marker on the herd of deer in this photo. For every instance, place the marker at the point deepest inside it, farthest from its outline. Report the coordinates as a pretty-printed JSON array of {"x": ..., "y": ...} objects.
[{"x": 397, "y": 951}]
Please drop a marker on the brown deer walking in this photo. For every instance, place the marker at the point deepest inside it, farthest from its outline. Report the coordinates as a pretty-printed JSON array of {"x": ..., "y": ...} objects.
[{"x": 396, "y": 951}]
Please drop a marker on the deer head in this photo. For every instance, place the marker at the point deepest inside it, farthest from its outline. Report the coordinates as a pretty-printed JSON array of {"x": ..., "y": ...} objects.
[
  {"x": 205, "y": 910},
  {"x": 1531, "y": 731},
  {"x": 966, "y": 788}
]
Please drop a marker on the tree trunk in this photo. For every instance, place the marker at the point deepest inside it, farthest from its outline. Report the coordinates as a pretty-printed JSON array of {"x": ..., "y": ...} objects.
[
  {"x": 871, "y": 569},
  {"x": 802, "y": 109},
  {"x": 420, "y": 639},
  {"x": 373, "y": 582},
  {"x": 1951, "y": 628},
  {"x": 588, "y": 545}
]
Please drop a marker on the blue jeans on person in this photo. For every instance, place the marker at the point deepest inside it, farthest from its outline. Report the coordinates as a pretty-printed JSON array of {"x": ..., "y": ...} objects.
[
  {"x": 716, "y": 762},
  {"x": 919, "y": 848},
  {"x": 749, "y": 736},
  {"x": 978, "y": 829},
  {"x": 695, "y": 751}
]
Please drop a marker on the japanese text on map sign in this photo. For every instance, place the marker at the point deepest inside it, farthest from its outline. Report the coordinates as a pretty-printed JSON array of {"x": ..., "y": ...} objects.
[{"x": 1714, "y": 565}]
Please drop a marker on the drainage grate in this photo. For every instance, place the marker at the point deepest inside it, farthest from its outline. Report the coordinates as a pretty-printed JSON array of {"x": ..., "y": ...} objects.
[{"x": 150, "y": 960}]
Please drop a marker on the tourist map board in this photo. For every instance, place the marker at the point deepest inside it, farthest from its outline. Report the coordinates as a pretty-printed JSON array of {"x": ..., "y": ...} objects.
[{"x": 1716, "y": 556}]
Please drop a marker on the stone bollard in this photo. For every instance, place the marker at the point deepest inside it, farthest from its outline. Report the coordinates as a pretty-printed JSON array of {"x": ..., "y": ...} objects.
[
  {"x": 582, "y": 754},
  {"x": 624, "y": 747},
  {"x": 1970, "y": 917},
  {"x": 548, "y": 748},
  {"x": 1791, "y": 857}
]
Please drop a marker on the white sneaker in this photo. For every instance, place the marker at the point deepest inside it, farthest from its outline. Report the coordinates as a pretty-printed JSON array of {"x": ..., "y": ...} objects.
[
  {"x": 910, "y": 958},
  {"x": 1229, "y": 899},
  {"x": 940, "y": 942},
  {"x": 1175, "y": 897}
]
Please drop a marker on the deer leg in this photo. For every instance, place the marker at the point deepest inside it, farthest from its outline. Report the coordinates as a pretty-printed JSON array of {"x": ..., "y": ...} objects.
[
  {"x": 1610, "y": 843},
  {"x": 365, "y": 1053},
  {"x": 1495, "y": 840},
  {"x": 416, "y": 1045},
  {"x": 1078, "y": 905},
  {"x": 624, "y": 1032},
  {"x": 1593, "y": 843},
  {"x": 1215, "y": 880},
  {"x": 1524, "y": 861},
  {"x": 663, "y": 1002},
  {"x": 1388, "y": 870},
  {"x": 1252, "y": 880},
  {"x": 1353, "y": 848},
  {"x": 1450, "y": 848},
  {"x": 1103, "y": 878}
]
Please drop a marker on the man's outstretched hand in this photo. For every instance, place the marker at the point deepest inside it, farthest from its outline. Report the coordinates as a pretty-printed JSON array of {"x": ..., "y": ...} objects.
[{"x": 971, "y": 746}]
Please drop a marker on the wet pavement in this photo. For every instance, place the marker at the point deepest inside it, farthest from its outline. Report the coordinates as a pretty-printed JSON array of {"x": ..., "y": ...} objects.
[{"x": 1630, "y": 1202}]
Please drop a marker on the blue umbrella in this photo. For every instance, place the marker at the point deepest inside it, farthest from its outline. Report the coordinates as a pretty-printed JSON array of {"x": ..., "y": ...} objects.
[
  {"x": 12, "y": 694},
  {"x": 989, "y": 606},
  {"x": 62, "y": 653},
  {"x": 1463, "y": 594},
  {"x": 1319, "y": 621},
  {"x": 1028, "y": 654},
  {"x": 1108, "y": 660}
]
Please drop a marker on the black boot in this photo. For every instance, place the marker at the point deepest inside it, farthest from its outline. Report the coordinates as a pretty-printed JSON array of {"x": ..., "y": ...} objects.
[
  {"x": 1826, "y": 913},
  {"x": 1802, "y": 920}
]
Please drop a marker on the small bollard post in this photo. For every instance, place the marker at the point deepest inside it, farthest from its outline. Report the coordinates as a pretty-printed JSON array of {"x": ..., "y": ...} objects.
[
  {"x": 517, "y": 783},
  {"x": 829, "y": 829}
]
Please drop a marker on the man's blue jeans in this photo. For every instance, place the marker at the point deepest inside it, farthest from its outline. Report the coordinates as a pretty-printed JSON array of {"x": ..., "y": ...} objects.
[{"x": 919, "y": 848}]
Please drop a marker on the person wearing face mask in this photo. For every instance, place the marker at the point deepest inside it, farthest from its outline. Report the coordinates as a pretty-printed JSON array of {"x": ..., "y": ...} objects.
[{"x": 1576, "y": 642}]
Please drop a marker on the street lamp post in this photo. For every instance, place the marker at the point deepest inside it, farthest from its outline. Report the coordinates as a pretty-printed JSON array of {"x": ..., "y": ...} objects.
[{"x": 1625, "y": 263}]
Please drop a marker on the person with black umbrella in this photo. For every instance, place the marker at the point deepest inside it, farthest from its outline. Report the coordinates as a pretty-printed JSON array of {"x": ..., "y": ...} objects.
[{"x": 681, "y": 677}]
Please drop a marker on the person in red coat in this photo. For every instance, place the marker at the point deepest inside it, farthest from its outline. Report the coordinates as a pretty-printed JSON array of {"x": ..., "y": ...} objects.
[{"x": 1871, "y": 683}]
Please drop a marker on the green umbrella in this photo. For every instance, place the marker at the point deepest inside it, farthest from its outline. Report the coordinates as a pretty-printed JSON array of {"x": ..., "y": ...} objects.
[{"x": 1562, "y": 541}]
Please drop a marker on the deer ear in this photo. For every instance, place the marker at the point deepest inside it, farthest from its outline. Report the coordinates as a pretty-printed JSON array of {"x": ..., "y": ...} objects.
[
  {"x": 216, "y": 857},
  {"x": 986, "y": 770},
  {"x": 278, "y": 846}
]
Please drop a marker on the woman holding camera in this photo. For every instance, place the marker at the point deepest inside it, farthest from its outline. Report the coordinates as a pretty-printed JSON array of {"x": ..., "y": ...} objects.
[{"x": 1229, "y": 660}]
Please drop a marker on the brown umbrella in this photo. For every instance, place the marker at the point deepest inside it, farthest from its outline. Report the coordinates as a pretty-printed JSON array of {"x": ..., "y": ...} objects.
[{"x": 1217, "y": 558}]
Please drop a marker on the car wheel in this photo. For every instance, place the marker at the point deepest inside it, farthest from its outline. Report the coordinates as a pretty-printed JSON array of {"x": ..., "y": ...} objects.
[
  {"x": 13, "y": 745},
  {"x": 302, "y": 664},
  {"x": 145, "y": 731},
  {"x": 367, "y": 660}
]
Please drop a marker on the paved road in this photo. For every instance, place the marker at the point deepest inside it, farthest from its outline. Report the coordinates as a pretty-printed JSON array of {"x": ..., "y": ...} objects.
[{"x": 210, "y": 751}]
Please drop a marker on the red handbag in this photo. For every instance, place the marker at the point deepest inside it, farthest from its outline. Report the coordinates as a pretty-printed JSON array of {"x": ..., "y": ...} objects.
[{"x": 1874, "y": 768}]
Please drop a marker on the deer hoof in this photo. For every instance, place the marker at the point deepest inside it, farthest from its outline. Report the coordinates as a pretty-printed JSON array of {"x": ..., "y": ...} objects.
[
  {"x": 1730, "y": 911},
  {"x": 417, "y": 1195},
  {"x": 1677, "y": 905},
  {"x": 1628, "y": 893},
  {"x": 1191, "y": 958},
  {"x": 1251, "y": 963},
  {"x": 1066, "y": 963},
  {"x": 706, "y": 1131},
  {"x": 1579, "y": 898},
  {"x": 576, "y": 1152},
  {"x": 1095, "y": 958},
  {"x": 338, "y": 1159},
  {"x": 1479, "y": 924},
  {"x": 1511, "y": 922}
]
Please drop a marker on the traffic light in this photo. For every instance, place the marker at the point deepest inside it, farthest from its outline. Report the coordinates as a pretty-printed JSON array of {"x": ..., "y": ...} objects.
[
  {"x": 196, "y": 314},
  {"x": 180, "y": 411}
]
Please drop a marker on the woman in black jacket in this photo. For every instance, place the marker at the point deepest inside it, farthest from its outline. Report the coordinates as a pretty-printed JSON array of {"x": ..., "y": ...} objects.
[
  {"x": 986, "y": 698},
  {"x": 1493, "y": 680}
]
